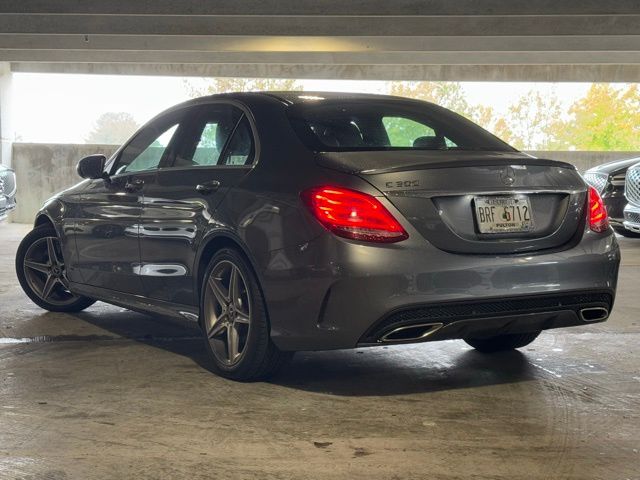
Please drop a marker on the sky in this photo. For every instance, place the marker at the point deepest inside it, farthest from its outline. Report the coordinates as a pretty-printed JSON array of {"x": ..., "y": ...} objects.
[{"x": 62, "y": 108}]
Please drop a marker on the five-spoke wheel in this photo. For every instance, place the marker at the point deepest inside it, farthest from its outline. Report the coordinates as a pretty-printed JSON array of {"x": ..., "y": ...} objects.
[
  {"x": 42, "y": 274},
  {"x": 227, "y": 312},
  {"x": 234, "y": 320}
]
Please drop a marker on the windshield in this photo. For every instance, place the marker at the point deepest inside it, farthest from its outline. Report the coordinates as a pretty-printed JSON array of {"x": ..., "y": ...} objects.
[{"x": 356, "y": 125}]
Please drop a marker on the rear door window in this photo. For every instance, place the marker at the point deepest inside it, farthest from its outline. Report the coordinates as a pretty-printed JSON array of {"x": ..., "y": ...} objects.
[{"x": 219, "y": 134}]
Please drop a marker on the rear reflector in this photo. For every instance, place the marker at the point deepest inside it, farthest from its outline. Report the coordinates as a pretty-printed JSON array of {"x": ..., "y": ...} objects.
[
  {"x": 352, "y": 214},
  {"x": 598, "y": 218}
]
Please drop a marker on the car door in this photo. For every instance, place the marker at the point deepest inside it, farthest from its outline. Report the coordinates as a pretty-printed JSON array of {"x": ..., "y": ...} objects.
[
  {"x": 108, "y": 227},
  {"x": 216, "y": 151}
]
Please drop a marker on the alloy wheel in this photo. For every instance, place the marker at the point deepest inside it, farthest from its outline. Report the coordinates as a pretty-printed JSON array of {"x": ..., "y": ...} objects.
[
  {"x": 45, "y": 272},
  {"x": 227, "y": 315}
]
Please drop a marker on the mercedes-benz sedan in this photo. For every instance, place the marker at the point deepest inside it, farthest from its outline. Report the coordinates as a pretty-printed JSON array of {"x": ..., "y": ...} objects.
[{"x": 309, "y": 221}]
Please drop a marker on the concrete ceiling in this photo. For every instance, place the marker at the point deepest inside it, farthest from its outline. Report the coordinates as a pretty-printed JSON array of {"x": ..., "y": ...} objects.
[{"x": 543, "y": 40}]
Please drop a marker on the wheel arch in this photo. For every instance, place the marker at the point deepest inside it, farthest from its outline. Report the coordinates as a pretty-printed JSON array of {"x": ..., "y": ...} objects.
[
  {"x": 43, "y": 219},
  {"x": 215, "y": 243}
]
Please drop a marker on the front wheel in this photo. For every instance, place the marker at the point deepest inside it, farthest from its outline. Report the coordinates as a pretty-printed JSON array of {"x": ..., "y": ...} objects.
[
  {"x": 42, "y": 273},
  {"x": 501, "y": 343},
  {"x": 234, "y": 320}
]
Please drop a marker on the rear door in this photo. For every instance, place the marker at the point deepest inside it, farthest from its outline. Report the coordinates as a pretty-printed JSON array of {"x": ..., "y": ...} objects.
[
  {"x": 216, "y": 150},
  {"x": 108, "y": 227}
]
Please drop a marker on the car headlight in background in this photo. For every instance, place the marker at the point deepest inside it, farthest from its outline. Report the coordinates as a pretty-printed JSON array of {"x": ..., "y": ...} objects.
[{"x": 597, "y": 180}]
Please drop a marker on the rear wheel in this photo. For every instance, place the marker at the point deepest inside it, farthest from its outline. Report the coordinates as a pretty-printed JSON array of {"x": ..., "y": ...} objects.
[
  {"x": 234, "y": 320},
  {"x": 42, "y": 272},
  {"x": 500, "y": 343}
]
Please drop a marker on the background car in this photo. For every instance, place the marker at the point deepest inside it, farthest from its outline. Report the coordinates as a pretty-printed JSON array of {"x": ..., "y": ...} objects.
[
  {"x": 286, "y": 221},
  {"x": 632, "y": 194},
  {"x": 609, "y": 180},
  {"x": 7, "y": 191}
]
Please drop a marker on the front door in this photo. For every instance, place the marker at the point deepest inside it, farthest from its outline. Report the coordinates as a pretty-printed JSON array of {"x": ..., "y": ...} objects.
[{"x": 108, "y": 225}]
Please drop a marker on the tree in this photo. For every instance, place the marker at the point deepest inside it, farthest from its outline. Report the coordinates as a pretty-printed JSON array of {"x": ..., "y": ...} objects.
[
  {"x": 451, "y": 95},
  {"x": 112, "y": 128},
  {"x": 607, "y": 118},
  {"x": 446, "y": 94},
  {"x": 533, "y": 122},
  {"x": 202, "y": 87}
]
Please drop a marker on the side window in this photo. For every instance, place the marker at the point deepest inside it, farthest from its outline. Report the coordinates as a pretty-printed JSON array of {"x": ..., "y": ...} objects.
[
  {"x": 148, "y": 148},
  {"x": 208, "y": 135},
  {"x": 240, "y": 149},
  {"x": 404, "y": 132}
]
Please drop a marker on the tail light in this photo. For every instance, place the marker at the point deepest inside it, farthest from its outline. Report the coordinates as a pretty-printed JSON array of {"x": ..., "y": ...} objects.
[
  {"x": 598, "y": 218},
  {"x": 352, "y": 214}
]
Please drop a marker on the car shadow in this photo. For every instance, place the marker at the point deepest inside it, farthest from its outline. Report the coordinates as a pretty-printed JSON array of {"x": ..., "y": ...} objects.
[{"x": 375, "y": 371}]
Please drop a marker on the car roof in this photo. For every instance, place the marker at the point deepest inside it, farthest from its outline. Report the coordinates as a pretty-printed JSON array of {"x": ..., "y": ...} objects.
[{"x": 301, "y": 97}]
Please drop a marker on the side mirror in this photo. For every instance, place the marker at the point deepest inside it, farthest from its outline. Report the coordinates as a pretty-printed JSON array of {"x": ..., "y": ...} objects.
[{"x": 91, "y": 166}]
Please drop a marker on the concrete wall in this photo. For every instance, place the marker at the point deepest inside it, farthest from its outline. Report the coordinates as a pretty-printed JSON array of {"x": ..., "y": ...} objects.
[{"x": 44, "y": 169}]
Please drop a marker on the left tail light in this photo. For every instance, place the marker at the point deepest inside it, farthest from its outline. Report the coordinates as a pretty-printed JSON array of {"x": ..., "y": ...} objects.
[
  {"x": 598, "y": 218},
  {"x": 352, "y": 214}
]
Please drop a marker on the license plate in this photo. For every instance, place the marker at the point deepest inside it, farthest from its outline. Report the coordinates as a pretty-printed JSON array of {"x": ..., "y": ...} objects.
[{"x": 503, "y": 214}]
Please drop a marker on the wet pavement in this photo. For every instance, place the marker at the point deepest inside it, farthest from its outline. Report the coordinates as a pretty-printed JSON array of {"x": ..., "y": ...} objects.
[{"x": 109, "y": 393}]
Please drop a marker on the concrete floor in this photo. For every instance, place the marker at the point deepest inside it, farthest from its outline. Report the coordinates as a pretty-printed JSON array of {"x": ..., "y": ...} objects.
[{"x": 113, "y": 394}]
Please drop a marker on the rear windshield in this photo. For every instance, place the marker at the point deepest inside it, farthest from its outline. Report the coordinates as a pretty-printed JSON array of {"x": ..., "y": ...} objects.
[{"x": 354, "y": 125}]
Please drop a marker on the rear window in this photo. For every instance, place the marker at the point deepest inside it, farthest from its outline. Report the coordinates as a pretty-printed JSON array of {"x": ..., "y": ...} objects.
[{"x": 353, "y": 125}]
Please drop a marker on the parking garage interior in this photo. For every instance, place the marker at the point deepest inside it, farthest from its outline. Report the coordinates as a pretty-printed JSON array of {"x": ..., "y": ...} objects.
[{"x": 109, "y": 393}]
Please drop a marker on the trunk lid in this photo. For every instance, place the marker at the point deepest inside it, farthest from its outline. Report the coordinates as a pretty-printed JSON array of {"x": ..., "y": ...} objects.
[{"x": 437, "y": 193}]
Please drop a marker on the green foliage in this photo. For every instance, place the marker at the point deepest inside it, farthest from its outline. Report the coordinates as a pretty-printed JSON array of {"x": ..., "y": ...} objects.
[
  {"x": 402, "y": 131},
  {"x": 607, "y": 118},
  {"x": 450, "y": 95},
  {"x": 532, "y": 122}
]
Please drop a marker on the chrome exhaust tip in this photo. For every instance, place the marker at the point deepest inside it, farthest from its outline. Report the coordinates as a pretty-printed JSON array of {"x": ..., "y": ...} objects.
[
  {"x": 410, "y": 333},
  {"x": 593, "y": 314}
]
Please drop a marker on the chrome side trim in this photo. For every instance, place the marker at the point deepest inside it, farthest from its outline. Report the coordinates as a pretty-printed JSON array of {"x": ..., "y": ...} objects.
[{"x": 160, "y": 270}]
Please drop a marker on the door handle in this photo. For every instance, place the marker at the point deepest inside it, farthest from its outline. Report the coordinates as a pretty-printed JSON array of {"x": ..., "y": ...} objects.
[
  {"x": 208, "y": 187},
  {"x": 133, "y": 184}
]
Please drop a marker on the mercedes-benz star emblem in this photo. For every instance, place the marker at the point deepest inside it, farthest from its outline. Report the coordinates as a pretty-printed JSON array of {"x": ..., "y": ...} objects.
[{"x": 508, "y": 176}]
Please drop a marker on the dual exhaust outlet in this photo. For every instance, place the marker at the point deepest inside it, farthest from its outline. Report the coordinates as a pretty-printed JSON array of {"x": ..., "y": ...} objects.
[{"x": 409, "y": 333}]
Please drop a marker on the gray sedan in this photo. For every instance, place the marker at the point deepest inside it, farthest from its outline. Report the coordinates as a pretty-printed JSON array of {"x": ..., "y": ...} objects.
[{"x": 284, "y": 221}]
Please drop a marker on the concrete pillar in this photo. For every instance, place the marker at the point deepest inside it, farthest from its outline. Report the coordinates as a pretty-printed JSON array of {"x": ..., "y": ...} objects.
[{"x": 6, "y": 129}]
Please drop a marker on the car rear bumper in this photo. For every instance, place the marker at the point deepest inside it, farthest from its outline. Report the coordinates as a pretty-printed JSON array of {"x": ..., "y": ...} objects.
[{"x": 333, "y": 293}]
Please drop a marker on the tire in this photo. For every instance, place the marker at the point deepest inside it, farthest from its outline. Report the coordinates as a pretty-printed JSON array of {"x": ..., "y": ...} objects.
[
  {"x": 237, "y": 334},
  {"x": 44, "y": 275},
  {"x": 501, "y": 343},
  {"x": 626, "y": 233}
]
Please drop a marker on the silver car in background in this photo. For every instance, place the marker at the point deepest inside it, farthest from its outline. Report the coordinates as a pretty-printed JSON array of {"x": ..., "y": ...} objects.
[
  {"x": 7, "y": 191},
  {"x": 632, "y": 194}
]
